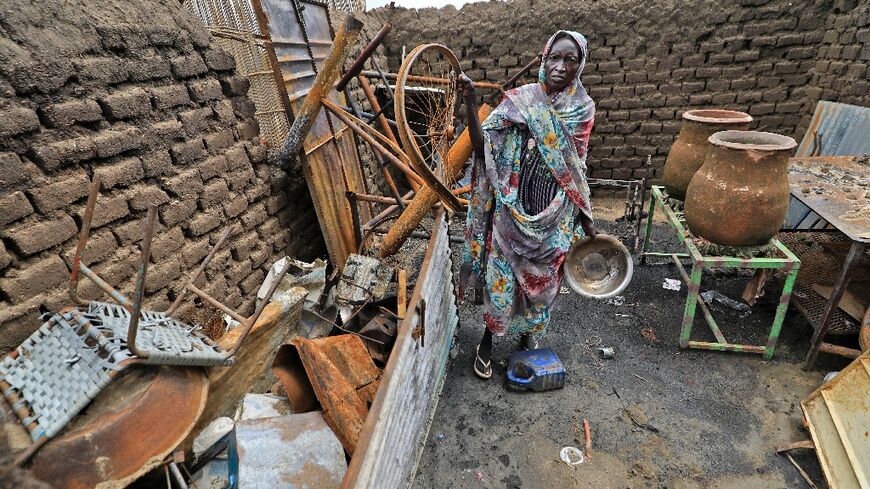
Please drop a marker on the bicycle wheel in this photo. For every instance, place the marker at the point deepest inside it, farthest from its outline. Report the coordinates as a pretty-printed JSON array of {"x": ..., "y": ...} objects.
[{"x": 426, "y": 95}]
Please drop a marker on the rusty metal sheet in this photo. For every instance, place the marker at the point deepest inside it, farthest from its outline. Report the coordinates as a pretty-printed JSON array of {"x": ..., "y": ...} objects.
[
  {"x": 395, "y": 432},
  {"x": 838, "y": 414},
  {"x": 128, "y": 429},
  {"x": 837, "y": 130},
  {"x": 302, "y": 39},
  {"x": 342, "y": 375},
  {"x": 837, "y": 188}
]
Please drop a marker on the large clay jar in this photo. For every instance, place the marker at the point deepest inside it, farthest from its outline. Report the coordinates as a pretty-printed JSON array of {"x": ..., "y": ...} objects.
[
  {"x": 740, "y": 195},
  {"x": 689, "y": 150}
]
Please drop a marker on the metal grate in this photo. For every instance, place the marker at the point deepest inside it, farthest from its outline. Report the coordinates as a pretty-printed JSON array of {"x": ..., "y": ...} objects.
[
  {"x": 234, "y": 25},
  {"x": 822, "y": 254},
  {"x": 348, "y": 6}
]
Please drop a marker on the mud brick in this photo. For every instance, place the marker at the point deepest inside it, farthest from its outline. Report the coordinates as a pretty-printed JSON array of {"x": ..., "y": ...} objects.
[
  {"x": 608, "y": 103},
  {"x": 13, "y": 171},
  {"x": 260, "y": 255},
  {"x": 240, "y": 179},
  {"x": 166, "y": 132},
  {"x": 69, "y": 113},
  {"x": 251, "y": 284},
  {"x": 126, "y": 104},
  {"x": 184, "y": 185},
  {"x": 63, "y": 153},
  {"x": 32, "y": 238},
  {"x": 59, "y": 193},
  {"x": 150, "y": 68},
  {"x": 700, "y": 99},
  {"x": 131, "y": 231},
  {"x": 631, "y": 103},
  {"x": 122, "y": 173},
  {"x": 724, "y": 98},
  {"x": 743, "y": 56},
  {"x": 5, "y": 258},
  {"x": 761, "y": 109},
  {"x": 214, "y": 193},
  {"x": 178, "y": 211},
  {"x": 142, "y": 196},
  {"x": 788, "y": 107},
  {"x": 166, "y": 243},
  {"x": 110, "y": 143},
  {"x": 194, "y": 252},
  {"x": 236, "y": 206},
  {"x": 219, "y": 60},
  {"x": 169, "y": 96},
  {"x": 244, "y": 107},
  {"x": 650, "y": 128},
  {"x": 101, "y": 245},
  {"x": 205, "y": 222},
  {"x": 219, "y": 140},
  {"x": 157, "y": 163},
  {"x": 205, "y": 90},
  {"x": 775, "y": 95},
  {"x": 600, "y": 92},
  {"x": 863, "y": 36},
  {"x": 195, "y": 121},
  {"x": 721, "y": 58},
  {"x": 269, "y": 229},
  {"x": 708, "y": 72},
  {"x": 15, "y": 206},
  {"x": 789, "y": 40},
  {"x": 213, "y": 167},
  {"x": 694, "y": 60},
  {"x": 742, "y": 84},
  {"x": 107, "y": 210},
  {"x": 801, "y": 53},
  {"x": 639, "y": 114},
  {"x": 744, "y": 97},
  {"x": 235, "y": 85},
  {"x": 636, "y": 77},
  {"x": 239, "y": 271},
  {"x": 855, "y": 71},
  {"x": 682, "y": 73},
  {"x": 162, "y": 274},
  {"x": 851, "y": 52},
  {"x": 254, "y": 216},
  {"x": 38, "y": 277},
  {"x": 243, "y": 245},
  {"x": 189, "y": 152},
  {"x": 102, "y": 70},
  {"x": 188, "y": 66},
  {"x": 609, "y": 66},
  {"x": 224, "y": 112},
  {"x": 718, "y": 85}
]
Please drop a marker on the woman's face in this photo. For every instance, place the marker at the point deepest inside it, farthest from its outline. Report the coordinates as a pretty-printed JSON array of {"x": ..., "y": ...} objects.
[{"x": 561, "y": 64}]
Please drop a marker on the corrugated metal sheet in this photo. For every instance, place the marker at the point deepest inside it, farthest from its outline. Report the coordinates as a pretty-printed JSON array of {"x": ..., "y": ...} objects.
[
  {"x": 838, "y": 414},
  {"x": 301, "y": 44},
  {"x": 398, "y": 423},
  {"x": 842, "y": 128}
]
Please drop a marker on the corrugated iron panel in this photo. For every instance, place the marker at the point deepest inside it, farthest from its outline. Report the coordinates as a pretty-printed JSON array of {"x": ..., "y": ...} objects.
[
  {"x": 398, "y": 423},
  {"x": 839, "y": 418},
  {"x": 843, "y": 130}
]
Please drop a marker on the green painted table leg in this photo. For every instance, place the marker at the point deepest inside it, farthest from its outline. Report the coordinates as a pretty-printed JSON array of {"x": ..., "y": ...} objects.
[
  {"x": 649, "y": 223},
  {"x": 781, "y": 309},
  {"x": 694, "y": 287}
]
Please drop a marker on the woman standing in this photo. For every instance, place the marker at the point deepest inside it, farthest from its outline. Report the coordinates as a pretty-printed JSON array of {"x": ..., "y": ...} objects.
[{"x": 530, "y": 199}]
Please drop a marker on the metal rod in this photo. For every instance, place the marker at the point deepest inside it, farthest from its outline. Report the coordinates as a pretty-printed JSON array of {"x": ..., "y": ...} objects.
[
  {"x": 176, "y": 474},
  {"x": 855, "y": 252},
  {"x": 343, "y": 43},
  {"x": 354, "y": 215},
  {"x": 377, "y": 199},
  {"x": 428, "y": 79},
  {"x": 215, "y": 303},
  {"x": 366, "y": 53},
  {"x": 516, "y": 76},
  {"x": 99, "y": 282},
  {"x": 706, "y": 311},
  {"x": 199, "y": 270},
  {"x": 84, "y": 234},
  {"x": 139, "y": 292},
  {"x": 376, "y": 107}
]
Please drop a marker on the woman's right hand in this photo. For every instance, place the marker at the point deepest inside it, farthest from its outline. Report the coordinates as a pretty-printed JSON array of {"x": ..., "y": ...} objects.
[{"x": 466, "y": 86}]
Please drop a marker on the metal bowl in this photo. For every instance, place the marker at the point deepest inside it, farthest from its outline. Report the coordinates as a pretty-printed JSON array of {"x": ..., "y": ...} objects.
[{"x": 599, "y": 267}]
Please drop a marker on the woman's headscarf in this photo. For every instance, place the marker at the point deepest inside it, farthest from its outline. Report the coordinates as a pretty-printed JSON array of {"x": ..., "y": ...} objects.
[{"x": 560, "y": 124}]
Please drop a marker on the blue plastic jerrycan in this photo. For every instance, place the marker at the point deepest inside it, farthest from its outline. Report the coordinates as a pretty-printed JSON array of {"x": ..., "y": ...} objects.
[{"x": 536, "y": 370}]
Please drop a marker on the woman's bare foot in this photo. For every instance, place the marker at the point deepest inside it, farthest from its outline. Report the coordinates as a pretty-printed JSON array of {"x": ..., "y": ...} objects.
[{"x": 483, "y": 356}]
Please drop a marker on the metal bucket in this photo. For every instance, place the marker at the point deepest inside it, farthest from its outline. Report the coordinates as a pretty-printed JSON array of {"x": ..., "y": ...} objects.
[{"x": 599, "y": 267}]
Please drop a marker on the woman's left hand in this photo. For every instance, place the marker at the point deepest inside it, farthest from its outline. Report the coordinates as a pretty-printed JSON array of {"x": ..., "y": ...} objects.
[{"x": 588, "y": 226}]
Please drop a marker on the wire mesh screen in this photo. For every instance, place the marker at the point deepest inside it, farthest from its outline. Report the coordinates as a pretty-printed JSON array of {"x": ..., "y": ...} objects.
[
  {"x": 234, "y": 25},
  {"x": 348, "y": 6}
]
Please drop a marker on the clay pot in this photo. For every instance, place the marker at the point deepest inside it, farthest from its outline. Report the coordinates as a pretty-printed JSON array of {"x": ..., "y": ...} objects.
[
  {"x": 740, "y": 195},
  {"x": 689, "y": 150}
]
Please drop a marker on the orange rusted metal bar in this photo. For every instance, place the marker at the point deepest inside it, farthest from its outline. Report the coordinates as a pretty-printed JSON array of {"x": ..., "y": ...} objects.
[
  {"x": 426, "y": 198},
  {"x": 402, "y": 295},
  {"x": 370, "y": 139},
  {"x": 377, "y": 199},
  {"x": 83, "y": 241},
  {"x": 428, "y": 79},
  {"x": 326, "y": 77},
  {"x": 376, "y": 108},
  {"x": 461, "y": 190},
  {"x": 364, "y": 55}
]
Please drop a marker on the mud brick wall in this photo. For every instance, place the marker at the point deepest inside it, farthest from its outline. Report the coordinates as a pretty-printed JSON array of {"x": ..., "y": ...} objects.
[
  {"x": 650, "y": 61},
  {"x": 139, "y": 95}
]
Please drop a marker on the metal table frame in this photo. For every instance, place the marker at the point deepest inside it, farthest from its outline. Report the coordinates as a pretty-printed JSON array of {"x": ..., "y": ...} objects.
[{"x": 790, "y": 263}]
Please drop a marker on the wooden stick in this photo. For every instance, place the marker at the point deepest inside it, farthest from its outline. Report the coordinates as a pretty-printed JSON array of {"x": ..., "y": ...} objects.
[
  {"x": 588, "y": 432},
  {"x": 402, "y": 296}
]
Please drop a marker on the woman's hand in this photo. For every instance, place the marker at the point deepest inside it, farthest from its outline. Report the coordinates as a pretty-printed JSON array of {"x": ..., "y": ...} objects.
[
  {"x": 588, "y": 226},
  {"x": 466, "y": 86}
]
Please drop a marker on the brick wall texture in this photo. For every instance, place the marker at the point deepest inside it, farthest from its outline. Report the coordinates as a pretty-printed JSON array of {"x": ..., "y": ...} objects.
[
  {"x": 140, "y": 95},
  {"x": 650, "y": 61}
]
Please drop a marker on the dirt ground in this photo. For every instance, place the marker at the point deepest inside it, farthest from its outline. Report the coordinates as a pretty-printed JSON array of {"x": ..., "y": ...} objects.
[{"x": 660, "y": 416}]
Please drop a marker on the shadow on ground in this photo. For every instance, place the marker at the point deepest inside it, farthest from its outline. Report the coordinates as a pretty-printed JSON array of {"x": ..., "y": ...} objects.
[{"x": 711, "y": 419}]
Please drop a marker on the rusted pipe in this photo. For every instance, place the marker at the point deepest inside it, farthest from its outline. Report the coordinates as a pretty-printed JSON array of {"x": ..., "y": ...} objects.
[
  {"x": 426, "y": 198},
  {"x": 353, "y": 202},
  {"x": 376, "y": 108},
  {"x": 364, "y": 55},
  {"x": 139, "y": 292},
  {"x": 84, "y": 234},
  {"x": 368, "y": 138},
  {"x": 377, "y": 199},
  {"x": 199, "y": 270},
  {"x": 428, "y": 79},
  {"x": 341, "y": 47},
  {"x": 516, "y": 76}
]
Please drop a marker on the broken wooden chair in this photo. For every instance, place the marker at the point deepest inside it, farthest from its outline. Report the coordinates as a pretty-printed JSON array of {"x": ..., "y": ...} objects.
[{"x": 55, "y": 372}]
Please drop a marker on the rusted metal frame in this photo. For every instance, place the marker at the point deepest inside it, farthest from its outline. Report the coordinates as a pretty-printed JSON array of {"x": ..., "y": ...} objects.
[
  {"x": 377, "y": 199},
  {"x": 839, "y": 350},
  {"x": 428, "y": 79},
  {"x": 84, "y": 234},
  {"x": 420, "y": 235},
  {"x": 215, "y": 303},
  {"x": 325, "y": 141},
  {"x": 389, "y": 211},
  {"x": 341, "y": 46},
  {"x": 371, "y": 140},
  {"x": 376, "y": 108},
  {"x": 102, "y": 284},
  {"x": 196, "y": 274},
  {"x": 704, "y": 309},
  {"x": 405, "y": 330},
  {"x": 139, "y": 291},
  {"x": 353, "y": 202},
  {"x": 641, "y": 202},
  {"x": 344, "y": 116},
  {"x": 364, "y": 55},
  {"x": 817, "y": 341},
  {"x": 277, "y": 75}
]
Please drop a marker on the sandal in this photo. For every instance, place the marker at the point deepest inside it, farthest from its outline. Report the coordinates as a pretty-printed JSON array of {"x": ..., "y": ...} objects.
[
  {"x": 528, "y": 342},
  {"x": 482, "y": 369}
]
